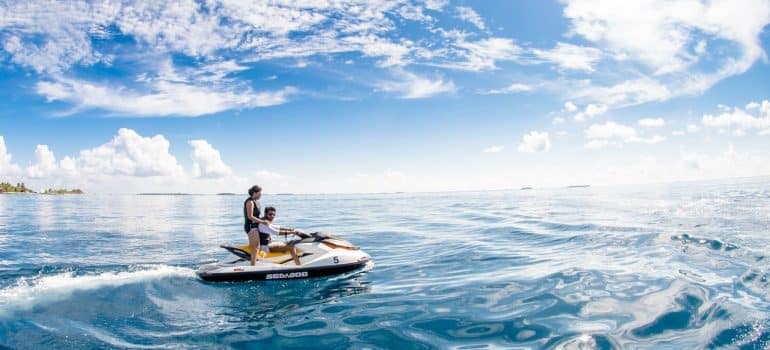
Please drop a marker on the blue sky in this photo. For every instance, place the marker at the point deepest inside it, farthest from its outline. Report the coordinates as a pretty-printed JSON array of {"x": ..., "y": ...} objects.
[{"x": 372, "y": 96}]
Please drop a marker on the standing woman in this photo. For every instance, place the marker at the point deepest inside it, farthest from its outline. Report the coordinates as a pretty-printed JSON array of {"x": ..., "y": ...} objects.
[{"x": 251, "y": 215}]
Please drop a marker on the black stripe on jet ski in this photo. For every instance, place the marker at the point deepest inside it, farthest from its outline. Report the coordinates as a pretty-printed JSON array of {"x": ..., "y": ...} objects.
[{"x": 295, "y": 273}]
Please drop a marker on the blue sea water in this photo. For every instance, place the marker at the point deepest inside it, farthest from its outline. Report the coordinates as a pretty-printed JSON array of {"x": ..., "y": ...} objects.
[{"x": 658, "y": 266}]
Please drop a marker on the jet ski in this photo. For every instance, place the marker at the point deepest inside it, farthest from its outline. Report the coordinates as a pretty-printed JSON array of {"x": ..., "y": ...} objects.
[{"x": 320, "y": 254}]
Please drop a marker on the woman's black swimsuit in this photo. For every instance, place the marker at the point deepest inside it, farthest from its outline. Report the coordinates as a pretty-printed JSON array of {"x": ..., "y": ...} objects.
[{"x": 264, "y": 238}]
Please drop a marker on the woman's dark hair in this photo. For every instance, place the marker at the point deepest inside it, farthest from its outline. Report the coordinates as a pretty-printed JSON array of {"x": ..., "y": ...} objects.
[{"x": 254, "y": 189}]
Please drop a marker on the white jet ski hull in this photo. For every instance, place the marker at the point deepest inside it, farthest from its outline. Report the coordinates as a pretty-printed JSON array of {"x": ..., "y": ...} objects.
[{"x": 316, "y": 259}]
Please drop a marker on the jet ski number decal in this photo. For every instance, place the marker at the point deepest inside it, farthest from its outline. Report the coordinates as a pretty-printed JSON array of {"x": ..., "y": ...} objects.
[{"x": 275, "y": 276}]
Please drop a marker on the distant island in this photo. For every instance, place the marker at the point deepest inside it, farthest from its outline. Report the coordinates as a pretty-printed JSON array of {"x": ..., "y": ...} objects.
[
  {"x": 575, "y": 186},
  {"x": 63, "y": 191},
  {"x": 6, "y": 187},
  {"x": 226, "y": 194},
  {"x": 525, "y": 188}
]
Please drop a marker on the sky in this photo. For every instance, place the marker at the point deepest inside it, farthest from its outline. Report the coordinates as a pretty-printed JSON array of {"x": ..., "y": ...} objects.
[{"x": 333, "y": 96}]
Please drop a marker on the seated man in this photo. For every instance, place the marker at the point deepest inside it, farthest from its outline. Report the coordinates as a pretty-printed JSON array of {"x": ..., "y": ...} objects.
[{"x": 265, "y": 230}]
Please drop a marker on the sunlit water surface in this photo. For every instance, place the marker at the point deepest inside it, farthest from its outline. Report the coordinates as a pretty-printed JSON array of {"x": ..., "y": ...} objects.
[{"x": 667, "y": 266}]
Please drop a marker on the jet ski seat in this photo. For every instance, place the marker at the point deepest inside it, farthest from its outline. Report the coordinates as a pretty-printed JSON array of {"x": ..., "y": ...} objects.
[{"x": 244, "y": 252}]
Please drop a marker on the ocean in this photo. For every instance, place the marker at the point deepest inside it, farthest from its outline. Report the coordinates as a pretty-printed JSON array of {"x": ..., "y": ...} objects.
[{"x": 671, "y": 266}]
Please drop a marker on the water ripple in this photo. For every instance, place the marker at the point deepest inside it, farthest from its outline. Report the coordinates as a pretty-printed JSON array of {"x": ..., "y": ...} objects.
[{"x": 668, "y": 266}]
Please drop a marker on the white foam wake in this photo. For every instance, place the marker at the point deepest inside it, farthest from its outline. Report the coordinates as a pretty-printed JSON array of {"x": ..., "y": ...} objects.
[{"x": 31, "y": 291}]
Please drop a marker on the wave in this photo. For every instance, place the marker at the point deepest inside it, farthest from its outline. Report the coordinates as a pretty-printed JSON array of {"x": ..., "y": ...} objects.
[{"x": 32, "y": 291}]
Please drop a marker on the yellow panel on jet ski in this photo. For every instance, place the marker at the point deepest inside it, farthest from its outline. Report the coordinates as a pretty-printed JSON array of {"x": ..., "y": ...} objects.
[{"x": 262, "y": 254}]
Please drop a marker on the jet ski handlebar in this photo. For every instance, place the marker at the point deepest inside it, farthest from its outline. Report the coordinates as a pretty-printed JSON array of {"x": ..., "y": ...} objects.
[{"x": 323, "y": 236}]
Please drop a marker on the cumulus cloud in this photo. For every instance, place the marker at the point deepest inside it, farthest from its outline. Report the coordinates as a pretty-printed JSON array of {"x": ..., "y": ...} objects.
[
  {"x": 412, "y": 86},
  {"x": 493, "y": 149},
  {"x": 45, "y": 163},
  {"x": 590, "y": 111},
  {"x": 571, "y": 57},
  {"x": 129, "y": 162},
  {"x": 534, "y": 142},
  {"x": 7, "y": 167},
  {"x": 207, "y": 161},
  {"x": 569, "y": 106},
  {"x": 651, "y": 122},
  {"x": 611, "y": 133},
  {"x": 130, "y": 154},
  {"x": 740, "y": 120}
]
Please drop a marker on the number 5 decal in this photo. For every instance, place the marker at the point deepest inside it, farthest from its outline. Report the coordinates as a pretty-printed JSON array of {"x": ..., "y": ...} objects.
[{"x": 336, "y": 260}]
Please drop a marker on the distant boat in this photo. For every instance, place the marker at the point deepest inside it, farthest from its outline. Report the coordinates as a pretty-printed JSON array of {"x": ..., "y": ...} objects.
[
  {"x": 576, "y": 186},
  {"x": 525, "y": 188}
]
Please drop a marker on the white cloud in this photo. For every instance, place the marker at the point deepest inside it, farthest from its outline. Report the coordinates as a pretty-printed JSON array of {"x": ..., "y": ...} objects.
[
  {"x": 626, "y": 93},
  {"x": 677, "y": 133},
  {"x": 740, "y": 120},
  {"x": 50, "y": 37},
  {"x": 569, "y": 106},
  {"x": 510, "y": 89},
  {"x": 412, "y": 86},
  {"x": 651, "y": 122},
  {"x": 662, "y": 34},
  {"x": 483, "y": 54},
  {"x": 436, "y": 5},
  {"x": 207, "y": 162},
  {"x": 752, "y": 105},
  {"x": 571, "y": 57},
  {"x": 493, "y": 149},
  {"x": 469, "y": 15},
  {"x": 687, "y": 45},
  {"x": 129, "y": 163},
  {"x": 166, "y": 98},
  {"x": 45, "y": 164},
  {"x": 590, "y": 111},
  {"x": 129, "y": 154},
  {"x": 611, "y": 133},
  {"x": 7, "y": 167},
  {"x": 535, "y": 141},
  {"x": 610, "y": 130},
  {"x": 557, "y": 120}
]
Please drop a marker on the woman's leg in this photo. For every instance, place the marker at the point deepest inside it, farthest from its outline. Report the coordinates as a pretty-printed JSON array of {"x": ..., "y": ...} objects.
[{"x": 254, "y": 244}]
